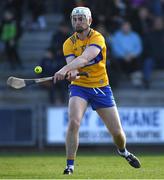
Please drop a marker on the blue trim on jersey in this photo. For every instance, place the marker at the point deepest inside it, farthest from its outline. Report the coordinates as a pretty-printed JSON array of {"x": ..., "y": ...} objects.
[
  {"x": 96, "y": 46},
  {"x": 69, "y": 55},
  {"x": 101, "y": 97},
  {"x": 96, "y": 60}
]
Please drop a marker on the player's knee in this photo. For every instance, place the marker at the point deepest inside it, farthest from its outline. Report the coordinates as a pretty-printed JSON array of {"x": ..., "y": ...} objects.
[{"x": 74, "y": 125}]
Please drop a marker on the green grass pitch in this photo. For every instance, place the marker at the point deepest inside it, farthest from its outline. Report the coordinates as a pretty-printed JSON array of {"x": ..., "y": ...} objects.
[{"x": 88, "y": 166}]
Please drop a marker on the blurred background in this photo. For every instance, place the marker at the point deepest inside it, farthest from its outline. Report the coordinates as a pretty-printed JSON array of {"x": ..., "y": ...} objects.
[{"x": 32, "y": 33}]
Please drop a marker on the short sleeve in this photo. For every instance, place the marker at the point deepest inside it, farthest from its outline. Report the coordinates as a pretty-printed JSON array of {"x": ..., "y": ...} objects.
[
  {"x": 98, "y": 41},
  {"x": 68, "y": 48}
]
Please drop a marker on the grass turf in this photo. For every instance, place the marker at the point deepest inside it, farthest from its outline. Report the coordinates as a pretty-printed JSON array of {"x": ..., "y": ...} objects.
[{"x": 88, "y": 166}]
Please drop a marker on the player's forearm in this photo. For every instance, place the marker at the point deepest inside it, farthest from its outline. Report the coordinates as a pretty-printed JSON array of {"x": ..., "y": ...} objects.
[
  {"x": 76, "y": 63},
  {"x": 69, "y": 60}
]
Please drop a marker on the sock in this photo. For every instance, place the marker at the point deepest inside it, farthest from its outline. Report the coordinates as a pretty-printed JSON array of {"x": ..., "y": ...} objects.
[
  {"x": 123, "y": 152},
  {"x": 70, "y": 163}
]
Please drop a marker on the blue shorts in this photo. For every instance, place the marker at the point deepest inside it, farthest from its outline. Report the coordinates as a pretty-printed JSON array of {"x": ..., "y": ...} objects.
[{"x": 97, "y": 97}]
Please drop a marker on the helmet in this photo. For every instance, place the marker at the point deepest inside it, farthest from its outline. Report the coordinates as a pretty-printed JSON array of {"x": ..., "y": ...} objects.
[{"x": 81, "y": 11}]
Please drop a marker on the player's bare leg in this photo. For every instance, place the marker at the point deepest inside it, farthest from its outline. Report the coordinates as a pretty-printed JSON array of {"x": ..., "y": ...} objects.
[
  {"x": 111, "y": 119},
  {"x": 77, "y": 108}
]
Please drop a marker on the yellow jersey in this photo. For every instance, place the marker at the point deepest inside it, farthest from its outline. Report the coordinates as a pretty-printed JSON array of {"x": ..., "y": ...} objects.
[{"x": 96, "y": 68}]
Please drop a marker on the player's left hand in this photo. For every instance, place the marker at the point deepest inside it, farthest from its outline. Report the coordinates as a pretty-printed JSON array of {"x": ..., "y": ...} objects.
[
  {"x": 72, "y": 75},
  {"x": 60, "y": 75}
]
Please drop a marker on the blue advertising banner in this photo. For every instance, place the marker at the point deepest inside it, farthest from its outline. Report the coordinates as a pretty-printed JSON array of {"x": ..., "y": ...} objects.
[{"x": 141, "y": 125}]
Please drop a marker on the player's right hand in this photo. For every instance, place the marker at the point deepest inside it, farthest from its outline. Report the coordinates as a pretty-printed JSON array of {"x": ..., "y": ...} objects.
[
  {"x": 60, "y": 75},
  {"x": 72, "y": 75}
]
